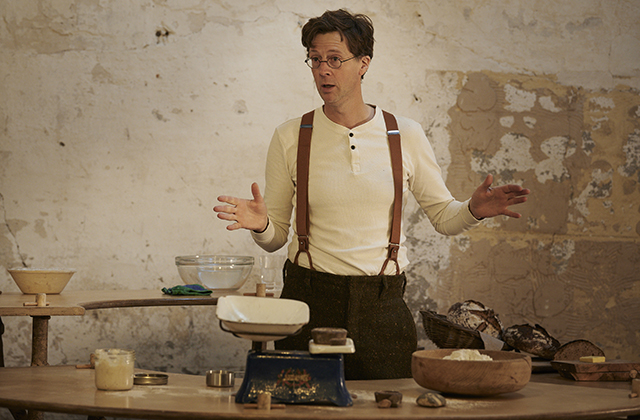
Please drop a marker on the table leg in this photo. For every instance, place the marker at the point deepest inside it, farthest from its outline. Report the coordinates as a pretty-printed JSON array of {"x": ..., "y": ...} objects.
[
  {"x": 1, "y": 345},
  {"x": 35, "y": 415},
  {"x": 17, "y": 414},
  {"x": 39, "y": 351},
  {"x": 39, "y": 341}
]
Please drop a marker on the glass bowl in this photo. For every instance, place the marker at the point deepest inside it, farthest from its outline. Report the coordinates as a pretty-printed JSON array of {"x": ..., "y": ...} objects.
[{"x": 215, "y": 272}]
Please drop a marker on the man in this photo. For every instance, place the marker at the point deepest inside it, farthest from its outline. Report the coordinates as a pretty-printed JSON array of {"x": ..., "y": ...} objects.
[{"x": 343, "y": 260}]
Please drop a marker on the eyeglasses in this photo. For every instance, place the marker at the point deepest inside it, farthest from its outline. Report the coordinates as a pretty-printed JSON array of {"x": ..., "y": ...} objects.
[{"x": 333, "y": 62}]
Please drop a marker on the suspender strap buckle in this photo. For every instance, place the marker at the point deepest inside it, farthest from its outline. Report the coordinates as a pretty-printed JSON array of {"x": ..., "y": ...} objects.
[
  {"x": 391, "y": 256},
  {"x": 303, "y": 243},
  {"x": 303, "y": 246}
]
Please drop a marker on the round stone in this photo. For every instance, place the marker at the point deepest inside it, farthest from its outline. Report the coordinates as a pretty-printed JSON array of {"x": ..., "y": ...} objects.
[{"x": 431, "y": 399}]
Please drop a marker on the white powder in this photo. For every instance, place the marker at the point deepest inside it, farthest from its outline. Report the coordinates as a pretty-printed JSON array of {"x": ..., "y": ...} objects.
[
  {"x": 114, "y": 369},
  {"x": 467, "y": 354}
]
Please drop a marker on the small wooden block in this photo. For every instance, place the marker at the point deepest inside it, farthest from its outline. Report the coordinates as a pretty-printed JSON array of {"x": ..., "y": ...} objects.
[
  {"x": 329, "y": 336},
  {"x": 394, "y": 398},
  {"x": 264, "y": 401},
  {"x": 41, "y": 299},
  {"x": 261, "y": 289}
]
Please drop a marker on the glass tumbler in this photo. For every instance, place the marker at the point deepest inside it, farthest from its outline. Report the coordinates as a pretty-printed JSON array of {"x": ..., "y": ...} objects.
[{"x": 270, "y": 267}]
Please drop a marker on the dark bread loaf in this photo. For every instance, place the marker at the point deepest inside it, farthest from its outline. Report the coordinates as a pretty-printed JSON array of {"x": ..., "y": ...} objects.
[
  {"x": 475, "y": 315},
  {"x": 531, "y": 339},
  {"x": 574, "y": 350}
]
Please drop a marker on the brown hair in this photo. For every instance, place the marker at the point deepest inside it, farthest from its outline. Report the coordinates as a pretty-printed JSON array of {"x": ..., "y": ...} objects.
[{"x": 357, "y": 30}]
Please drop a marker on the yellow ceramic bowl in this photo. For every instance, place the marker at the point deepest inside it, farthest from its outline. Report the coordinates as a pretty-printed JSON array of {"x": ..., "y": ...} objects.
[
  {"x": 33, "y": 281},
  {"x": 507, "y": 372}
]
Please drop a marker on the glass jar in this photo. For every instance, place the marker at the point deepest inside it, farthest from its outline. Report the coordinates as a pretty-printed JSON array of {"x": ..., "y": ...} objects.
[{"x": 114, "y": 369}]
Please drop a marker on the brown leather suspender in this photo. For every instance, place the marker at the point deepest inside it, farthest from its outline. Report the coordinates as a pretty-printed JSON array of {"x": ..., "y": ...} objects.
[
  {"x": 393, "y": 134},
  {"x": 302, "y": 203}
]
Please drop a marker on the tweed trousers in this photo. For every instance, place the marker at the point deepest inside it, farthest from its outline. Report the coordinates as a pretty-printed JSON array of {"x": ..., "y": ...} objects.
[{"x": 370, "y": 308}]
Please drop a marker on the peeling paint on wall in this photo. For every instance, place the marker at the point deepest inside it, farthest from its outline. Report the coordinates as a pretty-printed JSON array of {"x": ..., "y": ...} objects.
[
  {"x": 631, "y": 151},
  {"x": 569, "y": 160}
]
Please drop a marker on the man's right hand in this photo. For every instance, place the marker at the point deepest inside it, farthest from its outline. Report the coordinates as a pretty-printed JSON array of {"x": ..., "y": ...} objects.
[{"x": 247, "y": 214}]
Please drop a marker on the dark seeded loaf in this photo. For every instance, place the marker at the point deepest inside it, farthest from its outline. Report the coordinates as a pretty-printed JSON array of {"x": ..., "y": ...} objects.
[
  {"x": 475, "y": 315},
  {"x": 574, "y": 350},
  {"x": 531, "y": 339}
]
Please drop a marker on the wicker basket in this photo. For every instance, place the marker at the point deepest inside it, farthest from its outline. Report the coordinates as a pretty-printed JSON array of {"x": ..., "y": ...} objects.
[{"x": 447, "y": 335}]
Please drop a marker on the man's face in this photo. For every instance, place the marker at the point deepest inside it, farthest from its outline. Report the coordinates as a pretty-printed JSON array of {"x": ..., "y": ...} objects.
[{"x": 337, "y": 86}]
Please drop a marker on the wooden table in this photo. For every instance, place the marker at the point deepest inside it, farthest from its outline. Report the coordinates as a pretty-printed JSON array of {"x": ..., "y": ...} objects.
[
  {"x": 70, "y": 390},
  {"x": 76, "y": 303}
]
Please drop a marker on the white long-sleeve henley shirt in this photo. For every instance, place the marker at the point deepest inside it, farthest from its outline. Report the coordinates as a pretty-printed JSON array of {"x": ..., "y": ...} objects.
[{"x": 351, "y": 193}]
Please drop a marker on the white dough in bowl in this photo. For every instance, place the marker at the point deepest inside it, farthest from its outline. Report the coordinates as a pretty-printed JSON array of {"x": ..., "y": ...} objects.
[{"x": 467, "y": 354}]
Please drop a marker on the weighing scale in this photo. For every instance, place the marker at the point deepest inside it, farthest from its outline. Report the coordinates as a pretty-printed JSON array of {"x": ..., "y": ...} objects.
[{"x": 314, "y": 377}]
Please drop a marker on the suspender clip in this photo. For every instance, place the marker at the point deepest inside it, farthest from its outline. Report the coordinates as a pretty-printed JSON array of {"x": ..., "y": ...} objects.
[
  {"x": 303, "y": 242},
  {"x": 303, "y": 247}
]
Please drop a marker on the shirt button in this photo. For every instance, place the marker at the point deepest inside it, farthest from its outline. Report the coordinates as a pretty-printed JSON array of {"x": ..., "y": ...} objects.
[
  {"x": 350, "y": 134},
  {"x": 353, "y": 147}
]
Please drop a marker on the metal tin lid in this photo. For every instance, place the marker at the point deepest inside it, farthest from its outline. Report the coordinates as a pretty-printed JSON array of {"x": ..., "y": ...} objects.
[{"x": 150, "y": 379}]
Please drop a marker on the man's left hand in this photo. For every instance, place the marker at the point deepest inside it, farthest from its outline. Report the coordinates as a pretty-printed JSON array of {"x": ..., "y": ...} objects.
[{"x": 490, "y": 202}]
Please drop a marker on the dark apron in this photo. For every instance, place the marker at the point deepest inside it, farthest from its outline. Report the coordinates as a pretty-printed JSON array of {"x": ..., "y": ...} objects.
[{"x": 370, "y": 308}]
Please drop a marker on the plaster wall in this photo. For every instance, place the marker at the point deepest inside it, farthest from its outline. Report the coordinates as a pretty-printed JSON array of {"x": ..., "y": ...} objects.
[{"x": 122, "y": 121}]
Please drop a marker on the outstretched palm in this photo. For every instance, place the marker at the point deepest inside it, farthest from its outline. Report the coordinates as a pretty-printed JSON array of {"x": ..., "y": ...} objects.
[{"x": 490, "y": 202}]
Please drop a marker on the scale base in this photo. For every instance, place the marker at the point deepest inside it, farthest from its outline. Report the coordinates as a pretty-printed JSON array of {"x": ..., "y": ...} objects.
[{"x": 295, "y": 377}]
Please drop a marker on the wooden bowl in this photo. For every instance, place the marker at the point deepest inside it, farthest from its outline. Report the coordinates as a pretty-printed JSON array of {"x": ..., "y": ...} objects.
[
  {"x": 34, "y": 281},
  {"x": 507, "y": 372}
]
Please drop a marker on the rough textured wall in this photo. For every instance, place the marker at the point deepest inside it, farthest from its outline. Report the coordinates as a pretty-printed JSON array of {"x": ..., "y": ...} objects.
[
  {"x": 571, "y": 263},
  {"x": 120, "y": 122}
]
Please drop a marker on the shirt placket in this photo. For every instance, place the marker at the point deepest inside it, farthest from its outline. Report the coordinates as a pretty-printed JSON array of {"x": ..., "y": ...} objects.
[{"x": 355, "y": 152}]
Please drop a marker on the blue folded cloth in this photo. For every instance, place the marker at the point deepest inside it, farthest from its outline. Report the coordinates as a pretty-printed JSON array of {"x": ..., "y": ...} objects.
[{"x": 188, "y": 289}]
